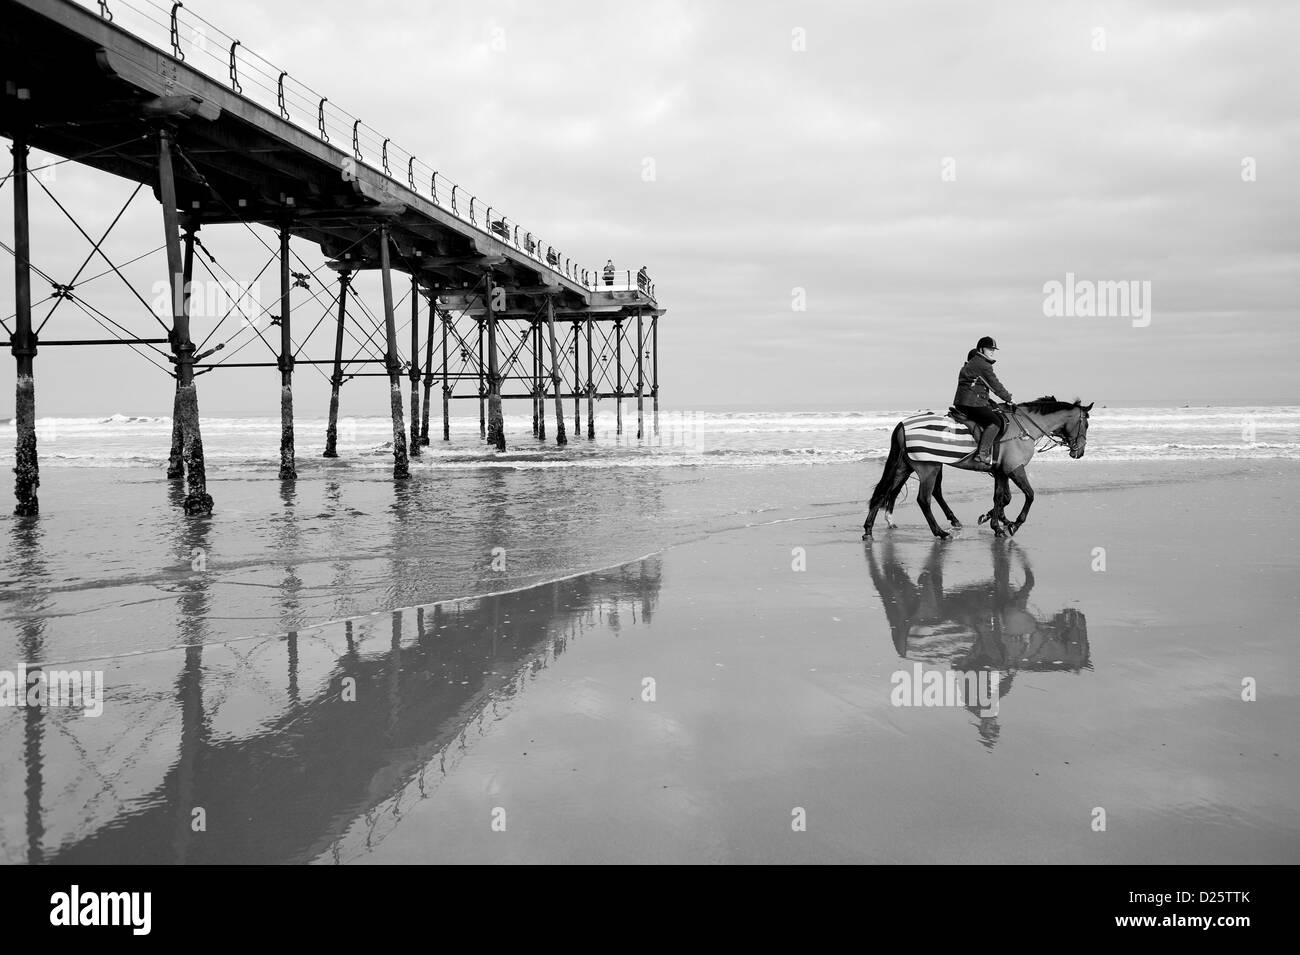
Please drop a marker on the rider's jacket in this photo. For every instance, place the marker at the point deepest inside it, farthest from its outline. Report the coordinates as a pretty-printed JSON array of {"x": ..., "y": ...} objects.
[{"x": 975, "y": 380}]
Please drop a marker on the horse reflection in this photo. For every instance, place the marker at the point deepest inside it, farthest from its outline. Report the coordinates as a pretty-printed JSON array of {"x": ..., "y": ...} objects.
[{"x": 983, "y": 626}]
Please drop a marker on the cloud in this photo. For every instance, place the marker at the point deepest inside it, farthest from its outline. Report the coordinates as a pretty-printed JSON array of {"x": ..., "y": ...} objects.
[{"x": 822, "y": 169}]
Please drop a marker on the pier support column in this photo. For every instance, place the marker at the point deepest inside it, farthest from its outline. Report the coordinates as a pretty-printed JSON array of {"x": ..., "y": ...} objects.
[
  {"x": 428, "y": 370},
  {"x": 415, "y": 368},
  {"x": 197, "y": 502},
  {"x": 401, "y": 466},
  {"x": 618, "y": 375},
  {"x": 591, "y": 380},
  {"x": 176, "y": 456},
  {"x": 446, "y": 382},
  {"x": 482, "y": 386},
  {"x": 288, "y": 470},
  {"x": 560, "y": 438},
  {"x": 27, "y": 477},
  {"x": 577, "y": 376},
  {"x": 532, "y": 384},
  {"x": 336, "y": 380},
  {"x": 496, "y": 432},
  {"x": 176, "y": 459},
  {"x": 654, "y": 367},
  {"x": 539, "y": 390},
  {"x": 640, "y": 379}
]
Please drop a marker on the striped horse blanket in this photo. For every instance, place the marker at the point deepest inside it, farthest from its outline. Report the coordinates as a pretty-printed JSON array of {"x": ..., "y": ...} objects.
[{"x": 936, "y": 438}]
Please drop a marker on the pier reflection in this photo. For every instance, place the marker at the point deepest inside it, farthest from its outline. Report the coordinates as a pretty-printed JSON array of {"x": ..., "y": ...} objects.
[
  {"x": 24, "y": 600},
  {"x": 980, "y": 626},
  {"x": 341, "y": 725}
]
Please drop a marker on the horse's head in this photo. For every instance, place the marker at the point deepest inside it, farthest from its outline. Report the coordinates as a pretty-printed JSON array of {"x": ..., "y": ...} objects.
[{"x": 1075, "y": 428}]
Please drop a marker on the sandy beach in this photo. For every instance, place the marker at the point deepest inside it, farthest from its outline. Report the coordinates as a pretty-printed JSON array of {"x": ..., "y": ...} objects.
[
  {"x": 773, "y": 692},
  {"x": 520, "y": 727}
]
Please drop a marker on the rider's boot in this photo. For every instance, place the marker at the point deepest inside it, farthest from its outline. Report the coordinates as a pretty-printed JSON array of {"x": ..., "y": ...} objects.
[{"x": 984, "y": 456}]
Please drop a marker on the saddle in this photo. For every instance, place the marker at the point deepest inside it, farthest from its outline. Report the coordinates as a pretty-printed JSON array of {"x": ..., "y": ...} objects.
[{"x": 977, "y": 429}]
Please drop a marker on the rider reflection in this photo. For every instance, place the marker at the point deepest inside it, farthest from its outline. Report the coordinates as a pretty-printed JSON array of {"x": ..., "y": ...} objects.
[{"x": 981, "y": 626}]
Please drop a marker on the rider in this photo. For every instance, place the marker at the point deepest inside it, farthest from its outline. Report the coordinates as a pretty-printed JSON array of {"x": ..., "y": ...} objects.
[{"x": 974, "y": 382}]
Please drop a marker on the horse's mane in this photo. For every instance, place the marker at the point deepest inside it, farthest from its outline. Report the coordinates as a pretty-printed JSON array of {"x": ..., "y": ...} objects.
[{"x": 1048, "y": 404}]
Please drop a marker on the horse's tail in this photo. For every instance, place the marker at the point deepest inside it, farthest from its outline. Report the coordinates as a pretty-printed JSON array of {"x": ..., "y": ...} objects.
[{"x": 896, "y": 443}]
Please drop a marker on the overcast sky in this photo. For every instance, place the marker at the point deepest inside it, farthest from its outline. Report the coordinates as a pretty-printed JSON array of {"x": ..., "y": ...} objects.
[{"x": 919, "y": 170}]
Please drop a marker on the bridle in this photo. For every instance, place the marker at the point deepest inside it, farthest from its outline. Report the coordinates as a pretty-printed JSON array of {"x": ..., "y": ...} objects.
[{"x": 1053, "y": 439}]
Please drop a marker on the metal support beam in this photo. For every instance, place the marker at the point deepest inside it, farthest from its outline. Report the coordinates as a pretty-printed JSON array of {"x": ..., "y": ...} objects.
[
  {"x": 415, "y": 367},
  {"x": 428, "y": 373},
  {"x": 577, "y": 376},
  {"x": 197, "y": 501},
  {"x": 560, "y": 438},
  {"x": 539, "y": 391},
  {"x": 640, "y": 378},
  {"x": 401, "y": 466},
  {"x": 496, "y": 432},
  {"x": 618, "y": 376},
  {"x": 446, "y": 383},
  {"x": 336, "y": 380},
  {"x": 27, "y": 476},
  {"x": 591, "y": 381},
  {"x": 101, "y": 341},
  {"x": 482, "y": 389},
  {"x": 654, "y": 367},
  {"x": 288, "y": 470},
  {"x": 532, "y": 374}
]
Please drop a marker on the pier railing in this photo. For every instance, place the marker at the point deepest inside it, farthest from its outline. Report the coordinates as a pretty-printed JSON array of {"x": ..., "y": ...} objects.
[
  {"x": 207, "y": 48},
  {"x": 623, "y": 280}
]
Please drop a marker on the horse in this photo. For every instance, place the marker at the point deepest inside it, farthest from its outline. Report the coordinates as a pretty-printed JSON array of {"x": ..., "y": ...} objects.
[{"x": 1060, "y": 422}]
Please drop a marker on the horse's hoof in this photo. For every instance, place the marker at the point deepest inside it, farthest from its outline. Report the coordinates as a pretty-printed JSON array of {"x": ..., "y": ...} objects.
[
  {"x": 983, "y": 518},
  {"x": 1012, "y": 528},
  {"x": 943, "y": 536},
  {"x": 955, "y": 525},
  {"x": 867, "y": 537}
]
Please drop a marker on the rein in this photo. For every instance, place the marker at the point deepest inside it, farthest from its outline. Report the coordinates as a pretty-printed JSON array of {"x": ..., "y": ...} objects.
[{"x": 1053, "y": 440}]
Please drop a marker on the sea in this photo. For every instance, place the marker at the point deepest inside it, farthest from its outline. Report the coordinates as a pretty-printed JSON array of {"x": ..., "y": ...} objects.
[{"x": 685, "y": 439}]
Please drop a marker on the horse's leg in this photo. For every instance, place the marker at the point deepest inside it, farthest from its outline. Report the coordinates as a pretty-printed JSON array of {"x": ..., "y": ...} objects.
[
  {"x": 893, "y": 499},
  {"x": 1022, "y": 482},
  {"x": 1004, "y": 498},
  {"x": 889, "y": 506},
  {"x": 991, "y": 514},
  {"x": 926, "y": 474},
  {"x": 938, "y": 496},
  {"x": 902, "y": 470},
  {"x": 1001, "y": 498}
]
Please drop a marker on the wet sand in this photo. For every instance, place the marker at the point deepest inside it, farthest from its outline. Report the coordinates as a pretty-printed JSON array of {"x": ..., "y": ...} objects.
[
  {"x": 1120, "y": 689},
  {"x": 773, "y": 692}
]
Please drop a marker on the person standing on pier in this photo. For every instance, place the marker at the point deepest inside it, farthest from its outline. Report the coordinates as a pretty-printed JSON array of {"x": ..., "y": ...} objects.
[
  {"x": 643, "y": 279},
  {"x": 608, "y": 272}
]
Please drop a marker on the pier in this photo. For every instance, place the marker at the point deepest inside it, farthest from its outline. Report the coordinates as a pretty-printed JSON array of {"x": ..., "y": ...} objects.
[{"x": 227, "y": 141}]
